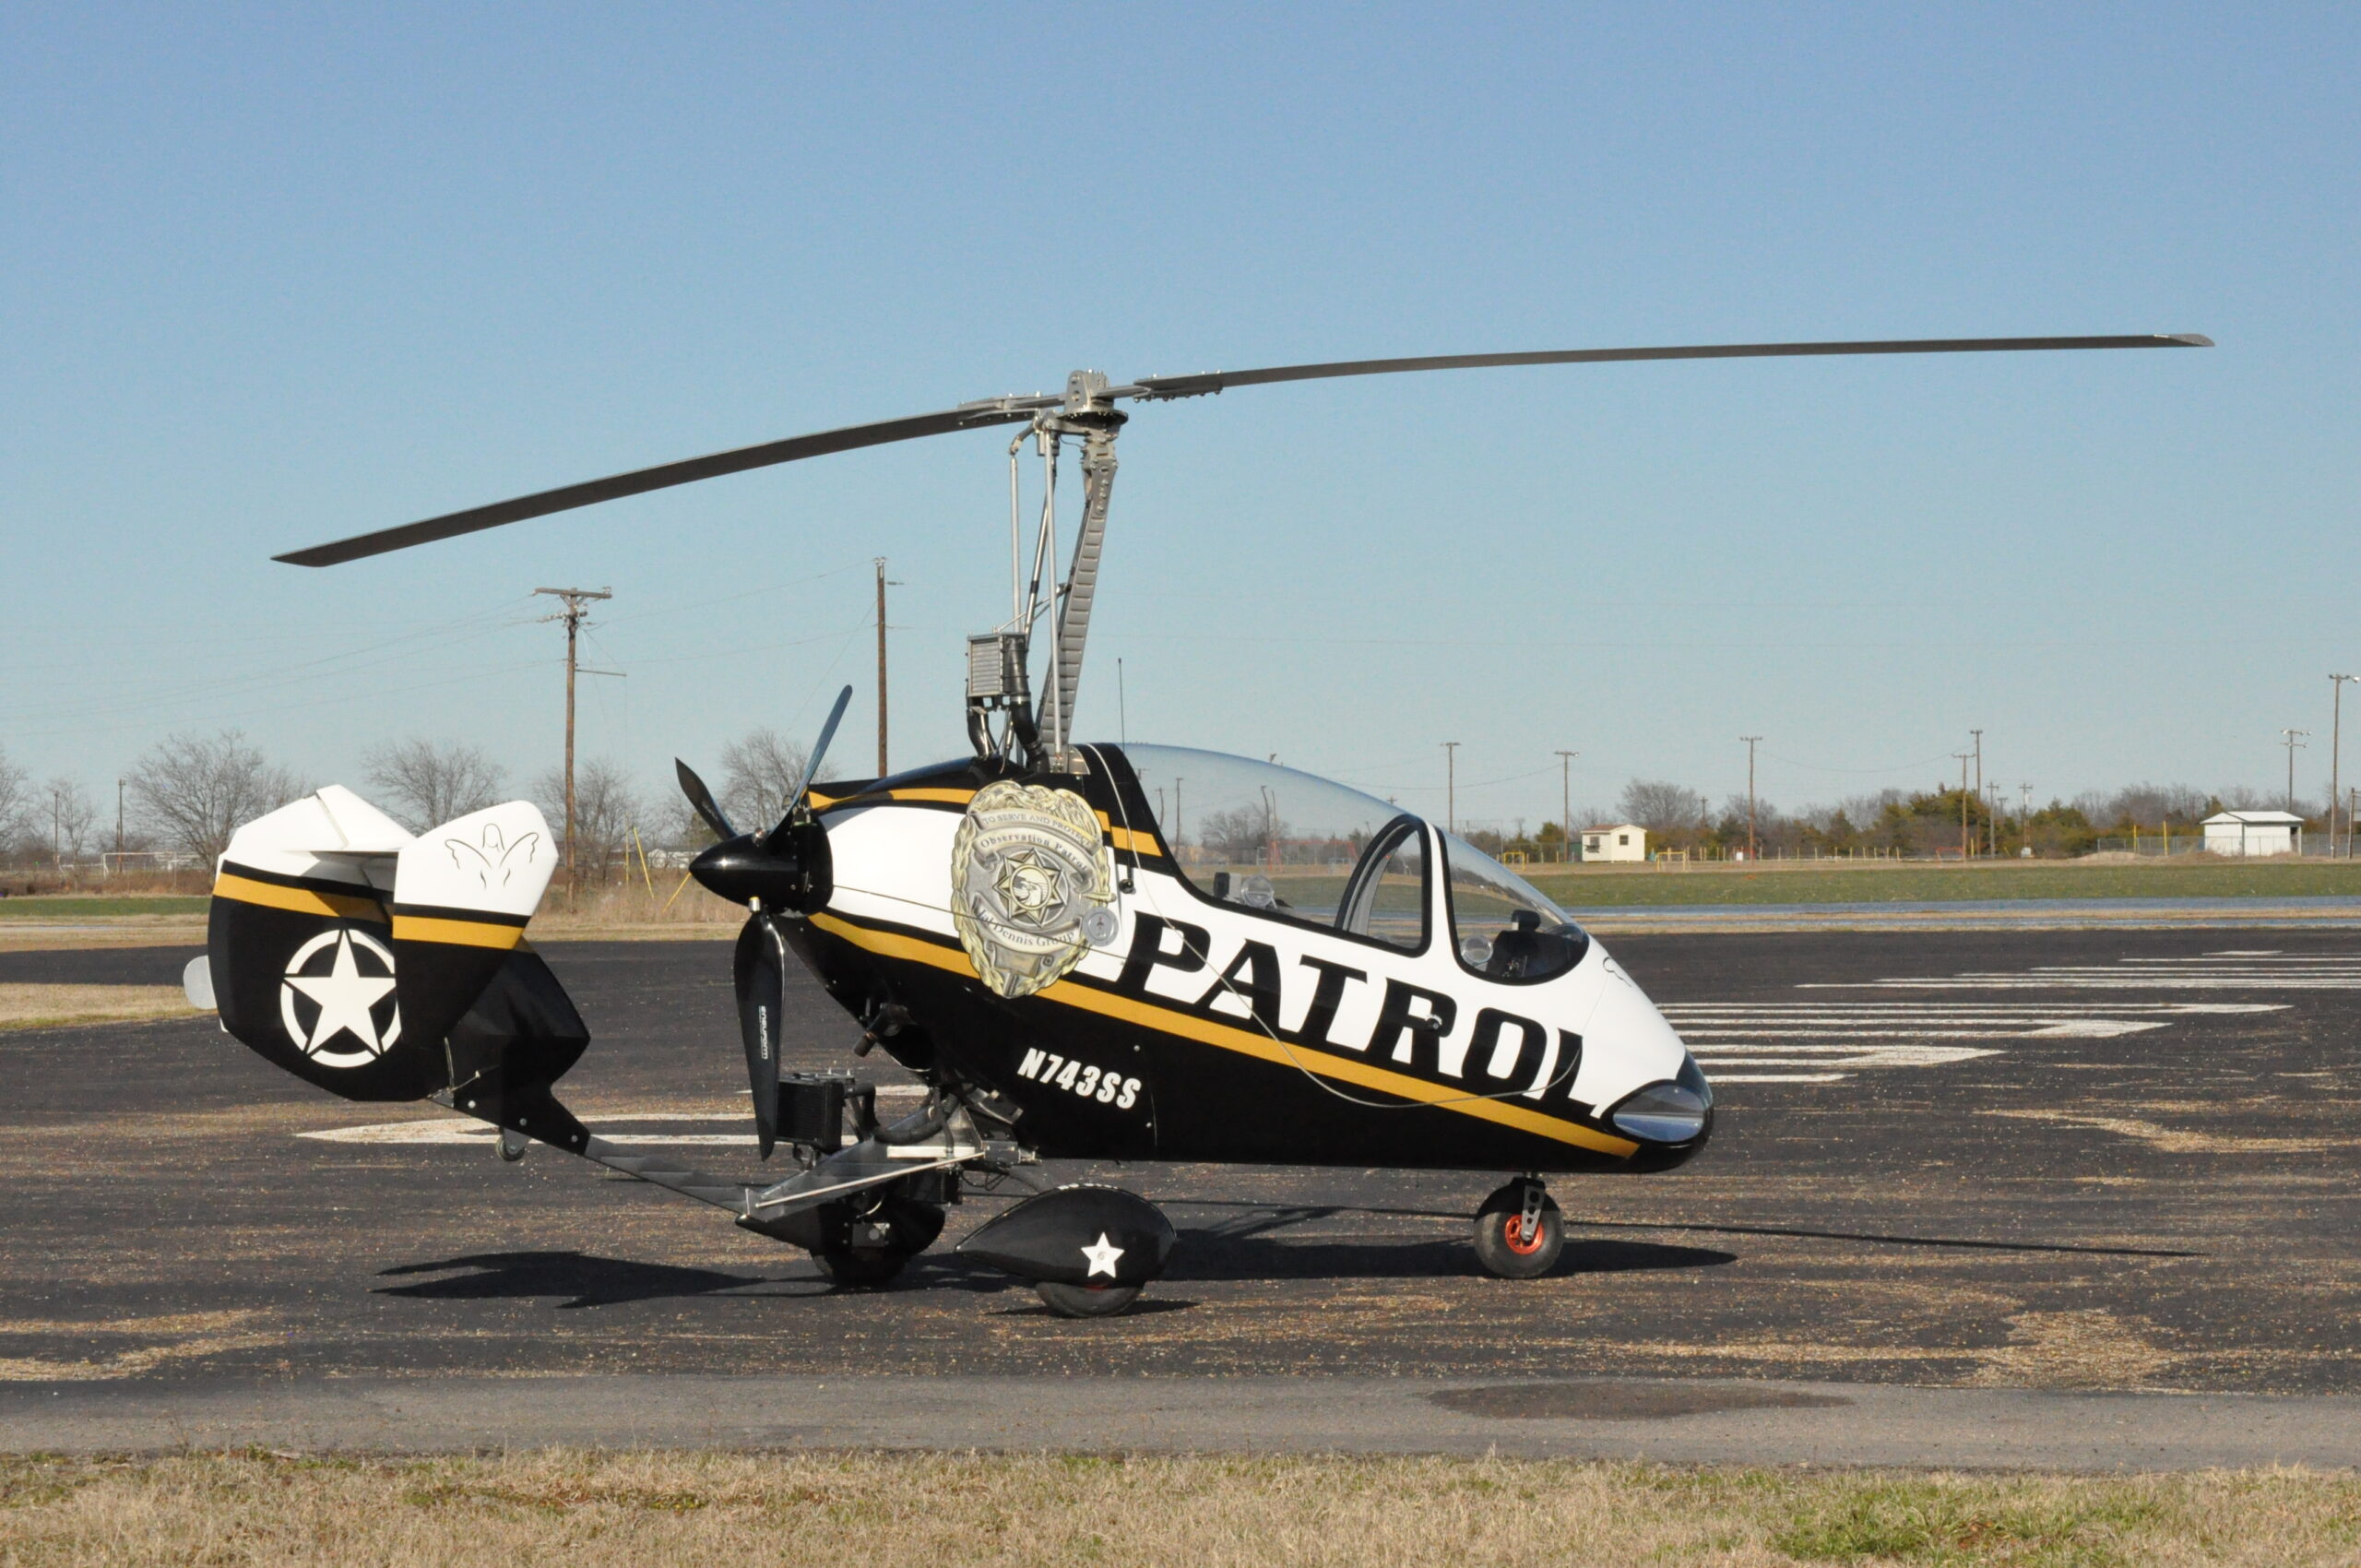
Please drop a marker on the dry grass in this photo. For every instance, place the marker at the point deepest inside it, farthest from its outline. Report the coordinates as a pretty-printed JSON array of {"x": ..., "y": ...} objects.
[
  {"x": 663, "y": 908},
  {"x": 1039, "y": 1511},
  {"x": 53, "y": 1006}
]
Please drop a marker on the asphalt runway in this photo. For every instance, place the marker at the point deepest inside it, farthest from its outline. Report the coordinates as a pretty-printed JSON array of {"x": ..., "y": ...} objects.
[{"x": 2067, "y": 1162}]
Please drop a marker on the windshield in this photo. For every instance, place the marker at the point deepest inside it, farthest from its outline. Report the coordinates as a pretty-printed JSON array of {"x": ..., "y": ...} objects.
[
  {"x": 1501, "y": 924},
  {"x": 1271, "y": 839}
]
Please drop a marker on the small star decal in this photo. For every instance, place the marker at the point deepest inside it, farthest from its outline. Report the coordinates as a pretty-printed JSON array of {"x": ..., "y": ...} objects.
[
  {"x": 1101, "y": 1257},
  {"x": 1031, "y": 885}
]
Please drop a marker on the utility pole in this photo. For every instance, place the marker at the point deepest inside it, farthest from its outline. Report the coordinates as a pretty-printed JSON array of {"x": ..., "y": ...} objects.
[
  {"x": 1450, "y": 784},
  {"x": 2025, "y": 815},
  {"x": 1979, "y": 761},
  {"x": 2336, "y": 759},
  {"x": 1750, "y": 741},
  {"x": 118, "y": 820},
  {"x": 2293, "y": 743},
  {"x": 1962, "y": 758},
  {"x": 1566, "y": 798},
  {"x": 881, "y": 585},
  {"x": 577, "y": 602}
]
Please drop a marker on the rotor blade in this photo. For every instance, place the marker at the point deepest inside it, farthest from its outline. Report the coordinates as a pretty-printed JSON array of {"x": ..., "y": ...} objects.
[
  {"x": 702, "y": 799},
  {"x": 1154, "y": 387},
  {"x": 997, "y": 410},
  {"x": 819, "y": 750}
]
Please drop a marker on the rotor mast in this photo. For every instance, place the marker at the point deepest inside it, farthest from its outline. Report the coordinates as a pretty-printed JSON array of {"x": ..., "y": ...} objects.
[{"x": 997, "y": 679}]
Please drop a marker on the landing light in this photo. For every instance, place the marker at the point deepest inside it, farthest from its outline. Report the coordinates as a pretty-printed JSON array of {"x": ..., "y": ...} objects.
[{"x": 1670, "y": 1112}]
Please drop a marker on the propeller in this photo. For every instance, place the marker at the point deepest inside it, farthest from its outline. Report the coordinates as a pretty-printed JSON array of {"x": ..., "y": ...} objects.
[
  {"x": 1087, "y": 392},
  {"x": 775, "y": 875},
  {"x": 702, "y": 799}
]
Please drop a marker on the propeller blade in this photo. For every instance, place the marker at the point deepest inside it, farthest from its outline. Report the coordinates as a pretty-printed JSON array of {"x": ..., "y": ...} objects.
[
  {"x": 819, "y": 750},
  {"x": 760, "y": 969},
  {"x": 1156, "y": 387},
  {"x": 996, "y": 411},
  {"x": 702, "y": 799}
]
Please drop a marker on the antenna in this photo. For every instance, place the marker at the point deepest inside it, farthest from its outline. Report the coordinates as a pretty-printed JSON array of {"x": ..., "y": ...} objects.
[
  {"x": 1566, "y": 799},
  {"x": 1750, "y": 741}
]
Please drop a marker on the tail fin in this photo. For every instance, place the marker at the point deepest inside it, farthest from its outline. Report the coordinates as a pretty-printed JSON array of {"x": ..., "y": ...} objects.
[{"x": 384, "y": 966}]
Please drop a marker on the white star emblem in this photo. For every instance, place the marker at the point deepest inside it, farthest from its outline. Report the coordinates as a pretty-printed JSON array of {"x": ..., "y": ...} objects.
[
  {"x": 346, "y": 999},
  {"x": 1101, "y": 1257}
]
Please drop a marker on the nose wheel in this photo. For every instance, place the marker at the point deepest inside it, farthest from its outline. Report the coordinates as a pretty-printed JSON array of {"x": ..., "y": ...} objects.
[{"x": 1519, "y": 1232}]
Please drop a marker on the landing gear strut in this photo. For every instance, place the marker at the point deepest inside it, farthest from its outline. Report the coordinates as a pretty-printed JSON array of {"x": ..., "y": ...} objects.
[{"x": 1519, "y": 1232}]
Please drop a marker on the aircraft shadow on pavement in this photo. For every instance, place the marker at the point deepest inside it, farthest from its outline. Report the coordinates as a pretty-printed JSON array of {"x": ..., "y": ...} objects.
[
  {"x": 1248, "y": 1259},
  {"x": 584, "y": 1280}
]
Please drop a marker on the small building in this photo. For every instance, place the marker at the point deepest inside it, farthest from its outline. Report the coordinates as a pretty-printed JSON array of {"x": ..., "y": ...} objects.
[
  {"x": 1624, "y": 841},
  {"x": 2254, "y": 833}
]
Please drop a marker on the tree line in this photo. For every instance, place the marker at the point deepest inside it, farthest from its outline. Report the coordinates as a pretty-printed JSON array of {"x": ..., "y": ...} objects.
[
  {"x": 1898, "y": 821},
  {"x": 188, "y": 792},
  {"x": 185, "y": 795}
]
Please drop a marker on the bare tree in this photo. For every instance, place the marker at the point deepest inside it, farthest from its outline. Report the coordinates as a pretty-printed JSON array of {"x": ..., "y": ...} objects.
[
  {"x": 606, "y": 806},
  {"x": 427, "y": 782},
  {"x": 1241, "y": 832},
  {"x": 1659, "y": 805},
  {"x": 758, "y": 774},
  {"x": 193, "y": 791},
  {"x": 15, "y": 803},
  {"x": 71, "y": 816}
]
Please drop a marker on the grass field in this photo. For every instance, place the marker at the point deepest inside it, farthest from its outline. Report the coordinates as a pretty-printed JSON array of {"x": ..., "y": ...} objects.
[
  {"x": 1872, "y": 882},
  {"x": 637, "y": 909},
  {"x": 82, "y": 907},
  {"x": 590, "y": 1510},
  {"x": 39, "y": 1006}
]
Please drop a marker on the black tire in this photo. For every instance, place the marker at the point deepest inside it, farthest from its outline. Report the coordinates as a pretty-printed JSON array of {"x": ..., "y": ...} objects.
[
  {"x": 1086, "y": 1300},
  {"x": 912, "y": 1224},
  {"x": 1500, "y": 1250},
  {"x": 868, "y": 1266}
]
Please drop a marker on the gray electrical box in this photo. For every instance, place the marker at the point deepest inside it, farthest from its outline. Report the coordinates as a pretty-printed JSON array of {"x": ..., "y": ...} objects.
[{"x": 996, "y": 666}]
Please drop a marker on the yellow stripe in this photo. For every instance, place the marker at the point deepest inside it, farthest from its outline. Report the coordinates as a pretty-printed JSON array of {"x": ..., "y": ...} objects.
[
  {"x": 301, "y": 900},
  {"x": 1249, "y": 1043},
  {"x": 954, "y": 797},
  {"x": 1129, "y": 839},
  {"x": 458, "y": 933}
]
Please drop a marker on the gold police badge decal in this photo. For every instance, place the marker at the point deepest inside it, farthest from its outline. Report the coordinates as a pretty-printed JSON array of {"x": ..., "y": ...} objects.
[{"x": 1028, "y": 866}]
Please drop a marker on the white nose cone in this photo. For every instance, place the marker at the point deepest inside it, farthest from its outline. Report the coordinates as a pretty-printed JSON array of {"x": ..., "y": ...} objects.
[{"x": 1627, "y": 1044}]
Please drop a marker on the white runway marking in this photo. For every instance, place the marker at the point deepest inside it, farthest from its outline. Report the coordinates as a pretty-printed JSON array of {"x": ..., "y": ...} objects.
[
  {"x": 2230, "y": 969},
  {"x": 1842, "y": 1037}
]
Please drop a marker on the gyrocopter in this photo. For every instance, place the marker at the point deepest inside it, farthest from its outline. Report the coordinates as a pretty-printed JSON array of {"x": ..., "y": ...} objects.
[{"x": 1081, "y": 951}]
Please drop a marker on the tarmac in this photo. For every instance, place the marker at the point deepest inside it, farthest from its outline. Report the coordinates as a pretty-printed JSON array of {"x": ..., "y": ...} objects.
[{"x": 2073, "y": 1197}]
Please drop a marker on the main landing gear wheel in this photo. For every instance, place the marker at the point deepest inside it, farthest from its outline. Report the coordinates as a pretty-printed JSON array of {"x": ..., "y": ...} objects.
[
  {"x": 879, "y": 1244},
  {"x": 1086, "y": 1300},
  {"x": 1519, "y": 1232}
]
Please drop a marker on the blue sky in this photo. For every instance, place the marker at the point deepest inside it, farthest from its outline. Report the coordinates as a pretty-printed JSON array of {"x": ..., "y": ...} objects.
[{"x": 278, "y": 275}]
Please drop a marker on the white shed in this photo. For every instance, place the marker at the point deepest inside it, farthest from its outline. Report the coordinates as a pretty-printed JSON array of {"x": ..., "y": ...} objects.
[
  {"x": 2254, "y": 833},
  {"x": 1624, "y": 841}
]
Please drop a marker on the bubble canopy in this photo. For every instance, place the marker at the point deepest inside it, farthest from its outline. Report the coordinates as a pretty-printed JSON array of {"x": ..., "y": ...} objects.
[{"x": 1277, "y": 838}]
